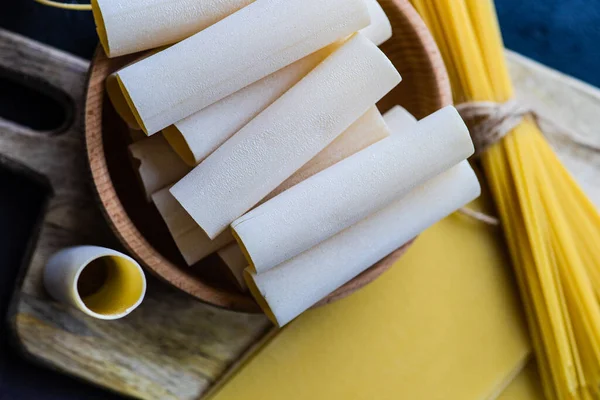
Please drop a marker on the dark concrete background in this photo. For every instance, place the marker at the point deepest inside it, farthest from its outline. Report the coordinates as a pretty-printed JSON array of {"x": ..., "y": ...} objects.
[{"x": 560, "y": 33}]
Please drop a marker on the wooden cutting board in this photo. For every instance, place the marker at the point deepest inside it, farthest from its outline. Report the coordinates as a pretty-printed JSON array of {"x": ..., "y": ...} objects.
[{"x": 173, "y": 347}]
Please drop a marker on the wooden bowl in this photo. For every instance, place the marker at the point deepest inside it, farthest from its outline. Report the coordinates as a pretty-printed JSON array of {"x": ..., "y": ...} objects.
[{"x": 424, "y": 89}]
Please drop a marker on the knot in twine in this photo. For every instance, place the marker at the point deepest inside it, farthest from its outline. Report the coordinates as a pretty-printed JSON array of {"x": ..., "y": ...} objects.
[{"x": 490, "y": 122}]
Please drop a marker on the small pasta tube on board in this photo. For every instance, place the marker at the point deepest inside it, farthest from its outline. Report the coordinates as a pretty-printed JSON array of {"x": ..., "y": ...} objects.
[
  {"x": 192, "y": 242},
  {"x": 129, "y": 26},
  {"x": 340, "y": 196},
  {"x": 233, "y": 53},
  {"x": 291, "y": 288},
  {"x": 159, "y": 166},
  {"x": 284, "y": 137},
  {"x": 100, "y": 282},
  {"x": 194, "y": 138}
]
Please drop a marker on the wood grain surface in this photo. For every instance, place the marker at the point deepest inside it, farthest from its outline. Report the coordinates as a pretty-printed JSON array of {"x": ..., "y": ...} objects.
[{"x": 155, "y": 352}]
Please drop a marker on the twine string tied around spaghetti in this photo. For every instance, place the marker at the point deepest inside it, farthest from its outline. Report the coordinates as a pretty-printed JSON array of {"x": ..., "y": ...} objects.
[{"x": 490, "y": 122}]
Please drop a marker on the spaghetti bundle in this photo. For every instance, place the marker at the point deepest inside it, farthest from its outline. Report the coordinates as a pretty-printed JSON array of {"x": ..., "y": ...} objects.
[{"x": 552, "y": 229}]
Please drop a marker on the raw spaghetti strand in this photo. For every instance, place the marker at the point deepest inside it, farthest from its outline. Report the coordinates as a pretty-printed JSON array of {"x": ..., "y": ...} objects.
[{"x": 552, "y": 229}]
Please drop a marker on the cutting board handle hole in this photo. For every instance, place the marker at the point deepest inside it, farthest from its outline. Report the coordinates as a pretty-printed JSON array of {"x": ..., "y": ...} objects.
[{"x": 34, "y": 104}]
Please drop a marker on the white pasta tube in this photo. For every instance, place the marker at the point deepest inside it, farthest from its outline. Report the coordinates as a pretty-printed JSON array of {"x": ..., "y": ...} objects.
[
  {"x": 284, "y": 137},
  {"x": 338, "y": 197},
  {"x": 291, "y": 288},
  {"x": 370, "y": 125},
  {"x": 159, "y": 166},
  {"x": 129, "y": 26},
  {"x": 100, "y": 282},
  {"x": 233, "y": 53},
  {"x": 236, "y": 263},
  {"x": 194, "y": 244},
  {"x": 380, "y": 29},
  {"x": 194, "y": 138},
  {"x": 191, "y": 241}
]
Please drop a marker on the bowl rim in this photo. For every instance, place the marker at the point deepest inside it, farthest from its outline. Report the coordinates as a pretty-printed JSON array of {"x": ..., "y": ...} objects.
[{"x": 154, "y": 262}]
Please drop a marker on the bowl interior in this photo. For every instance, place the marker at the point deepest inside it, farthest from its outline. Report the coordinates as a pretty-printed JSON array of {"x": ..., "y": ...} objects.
[{"x": 424, "y": 89}]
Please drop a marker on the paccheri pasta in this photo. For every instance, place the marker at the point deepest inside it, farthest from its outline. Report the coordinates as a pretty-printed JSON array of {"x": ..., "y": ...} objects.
[
  {"x": 370, "y": 128},
  {"x": 189, "y": 237},
  {"x": 340, "y": 196},
  {"x": 292, "y": 287},
  {"x": 285, "y": 136}
]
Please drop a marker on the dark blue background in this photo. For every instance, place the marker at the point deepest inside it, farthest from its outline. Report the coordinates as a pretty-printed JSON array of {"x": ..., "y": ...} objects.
[{"x": 564, "y": 34}]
